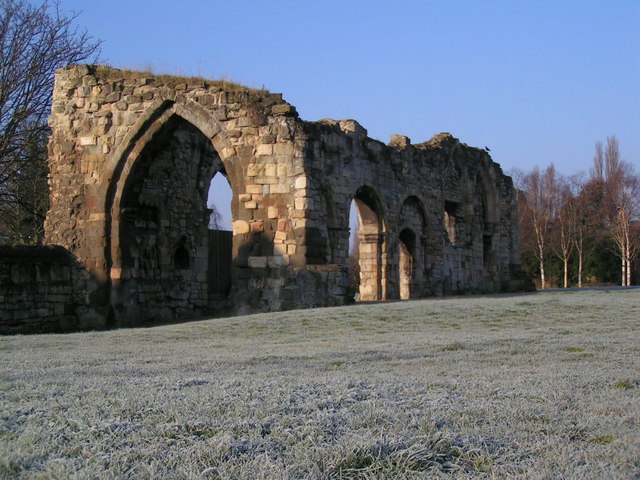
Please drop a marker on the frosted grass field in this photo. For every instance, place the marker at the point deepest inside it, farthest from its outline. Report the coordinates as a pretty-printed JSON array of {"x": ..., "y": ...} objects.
[{"x": 542, "y": 385}]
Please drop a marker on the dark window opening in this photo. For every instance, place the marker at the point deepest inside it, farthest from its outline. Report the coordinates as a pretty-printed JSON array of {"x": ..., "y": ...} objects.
[
  {"x": 181, "y": 258},
  {"x": 487, "y": 249}
]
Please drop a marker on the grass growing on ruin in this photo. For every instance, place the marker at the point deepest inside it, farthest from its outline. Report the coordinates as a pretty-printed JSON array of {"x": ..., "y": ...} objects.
[
  {"x": 542, "y": 385},
  {"x": 107, "y": 72}
]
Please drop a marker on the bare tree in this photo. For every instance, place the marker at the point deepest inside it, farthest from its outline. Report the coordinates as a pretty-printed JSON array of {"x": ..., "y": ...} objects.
[
  {"x": 597, "y": 170},
  {"x": 34, "y": 42},
  {"x": 577, "y": 210},
  {"x": 621, "y": 206},
  {"x": 23, "y": 218},
  {"x": 215, "y": 218},
  {"x": 564, "y": 228},
  {"x": 541, "y": 206},
  {"x": 625, "y": 231},
  {"x": 538, "y": 207}
]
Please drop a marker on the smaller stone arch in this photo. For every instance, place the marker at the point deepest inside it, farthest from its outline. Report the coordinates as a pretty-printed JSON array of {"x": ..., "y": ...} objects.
[
  {"x": 414, "y": 239},
  {"x": 372, "y": 244}
]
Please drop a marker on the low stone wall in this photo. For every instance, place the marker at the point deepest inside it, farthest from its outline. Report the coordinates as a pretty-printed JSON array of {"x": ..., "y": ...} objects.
[
  {"x": 36, "y": 291},
  {"x": 313, "y": 286}
]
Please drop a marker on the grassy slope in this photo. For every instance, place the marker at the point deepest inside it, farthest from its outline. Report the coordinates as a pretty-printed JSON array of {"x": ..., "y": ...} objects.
[{"x": 532, "y": 386}]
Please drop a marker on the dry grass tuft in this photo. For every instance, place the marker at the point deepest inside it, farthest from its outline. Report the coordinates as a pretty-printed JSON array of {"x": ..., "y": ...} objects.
[{"x": 111, "y": 73}]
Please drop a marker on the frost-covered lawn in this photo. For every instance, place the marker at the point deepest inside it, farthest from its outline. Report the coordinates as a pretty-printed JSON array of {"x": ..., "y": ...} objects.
[{"x": 541, "y": 385}]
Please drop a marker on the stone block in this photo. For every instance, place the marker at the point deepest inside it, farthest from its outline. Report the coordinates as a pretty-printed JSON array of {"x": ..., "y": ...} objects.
[
  {"x": 241, "y": 227},
  {"x": 283, "y": 149},
  {"x": 257, "y": 262},
  {"x": 297, "y": 260},
  {"x": 301, "y": 223},
  {"x": 269, "y": 138},
  {"x": 280, "y": 249},
  {"x": 286, "y": 110},
  {"x": 276, "y": 261},
  {"x": 257, "y": 226},
  {"x": 228, "y": 152},
  {"x": 301, "y": 203},
  {"x": 399, "y": 141},
  {"x": 254, "y": 188},
  {"x": 279, "y": 188},
  {"x": 66, "y": 147},
  {"x": 266, "y": 180},
  {"x": 255, "y": 169},
  {"x": 270, "y": 170},
  {"x": 263, "y": 150},
  {"x": 301, "y": 182}
]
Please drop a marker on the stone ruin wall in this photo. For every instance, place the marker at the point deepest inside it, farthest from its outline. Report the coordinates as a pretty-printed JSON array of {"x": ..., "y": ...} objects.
[
  {"x": 473, "y": 248},
  {"x": 131, "y": 158}
]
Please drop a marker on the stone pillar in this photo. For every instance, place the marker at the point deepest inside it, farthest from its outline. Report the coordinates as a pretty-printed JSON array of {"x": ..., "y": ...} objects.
[{"x": 370, "y": 266}]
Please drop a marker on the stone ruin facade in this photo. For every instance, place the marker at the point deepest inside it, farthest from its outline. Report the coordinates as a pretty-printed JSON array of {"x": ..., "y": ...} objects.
[{"x": 132, "y": 156}]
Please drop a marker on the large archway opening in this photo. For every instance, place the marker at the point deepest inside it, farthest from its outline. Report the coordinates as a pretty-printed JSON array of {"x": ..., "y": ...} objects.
[
  {"x": 370, "y": 245},
  {"x": 161, "y": 220}
]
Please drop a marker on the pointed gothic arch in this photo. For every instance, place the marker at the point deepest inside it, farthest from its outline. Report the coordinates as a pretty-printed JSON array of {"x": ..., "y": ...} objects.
[
  {"x": 372, "y": 244},
  {"x": 413, "y": 244},
  {"x": 152, "y": 230}
]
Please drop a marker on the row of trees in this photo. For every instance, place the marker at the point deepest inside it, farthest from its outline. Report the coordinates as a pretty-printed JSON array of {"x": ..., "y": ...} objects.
[
  {"x": 579, "y": 224},
  {"x": 34, "y": 42}
]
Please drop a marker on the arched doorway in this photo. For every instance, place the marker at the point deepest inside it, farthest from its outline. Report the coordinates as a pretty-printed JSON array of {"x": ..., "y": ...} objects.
[
  {"x": 414, "y": 246},
  {"x": 160, "y": 266},
  {"x": 371, "y": 245}
]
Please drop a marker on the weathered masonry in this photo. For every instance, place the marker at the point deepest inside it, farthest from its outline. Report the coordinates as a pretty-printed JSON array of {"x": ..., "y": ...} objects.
[{"x": 132, "y": 157}]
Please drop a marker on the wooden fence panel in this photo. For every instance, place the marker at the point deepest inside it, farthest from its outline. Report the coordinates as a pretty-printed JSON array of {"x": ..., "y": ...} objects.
[{"x": 220, "y": 248}]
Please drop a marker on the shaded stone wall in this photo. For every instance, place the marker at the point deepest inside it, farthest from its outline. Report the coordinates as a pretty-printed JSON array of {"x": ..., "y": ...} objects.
[
  {"x": 36, "y": 290},
  {"x": 131, "y": 158}
]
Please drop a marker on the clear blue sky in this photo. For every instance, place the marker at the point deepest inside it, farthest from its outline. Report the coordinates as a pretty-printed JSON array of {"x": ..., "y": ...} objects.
[{"x": 536, "y": 81}]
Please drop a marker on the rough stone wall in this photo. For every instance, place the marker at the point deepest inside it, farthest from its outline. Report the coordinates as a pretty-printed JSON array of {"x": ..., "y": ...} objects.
[
  {"x": 36, "y": 290},
  {"x": 410, "y": 187},
  {"x": 131, "y": 158}
]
